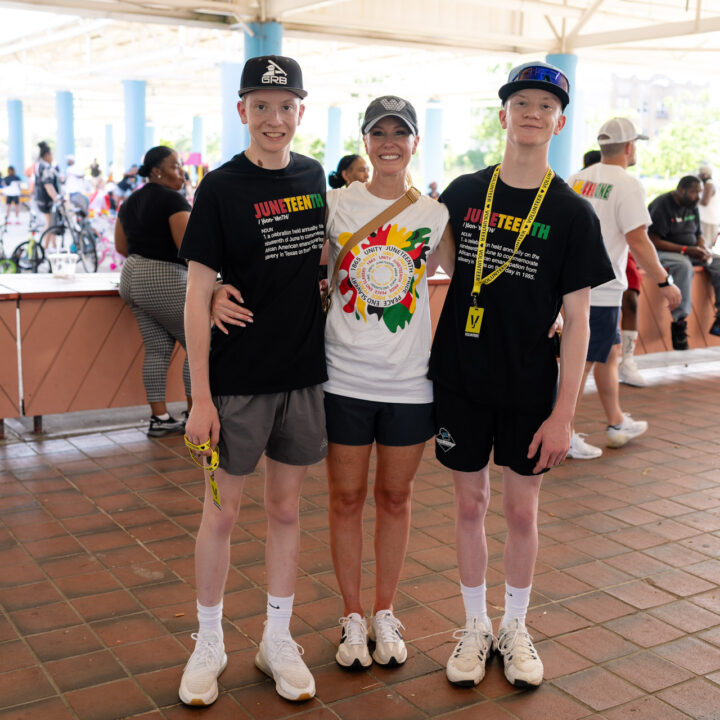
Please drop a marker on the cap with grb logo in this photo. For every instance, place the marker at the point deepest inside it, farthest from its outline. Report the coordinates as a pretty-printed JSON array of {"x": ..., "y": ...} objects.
[{"x": 272, "y": 72}]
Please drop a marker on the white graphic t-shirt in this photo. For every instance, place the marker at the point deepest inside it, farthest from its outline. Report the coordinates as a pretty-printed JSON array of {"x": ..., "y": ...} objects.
[
  {"x": 378, "y": 333},
  {"x": 619, "y": 201}
]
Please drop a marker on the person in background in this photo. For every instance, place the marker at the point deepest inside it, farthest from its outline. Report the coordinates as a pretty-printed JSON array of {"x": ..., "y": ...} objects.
[
  {"x": 433, "y": 190},
  {"x": 47, "y": 187},
  {"x": 618, "y": 198},
  {"x": 709, "y": 207},
  {"x": 150, "y": 227},
  {"x": 349, "y": 169},
  {"x": 677, "y": 235},
  {"x": 12, "y": 191}
]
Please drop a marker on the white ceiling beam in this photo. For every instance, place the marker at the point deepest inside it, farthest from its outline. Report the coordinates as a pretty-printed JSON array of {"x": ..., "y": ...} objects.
[
  {"x": 649, "y": 32},
  {"x": 589, "y": 12},
  {"x": 280, "y": 8}
]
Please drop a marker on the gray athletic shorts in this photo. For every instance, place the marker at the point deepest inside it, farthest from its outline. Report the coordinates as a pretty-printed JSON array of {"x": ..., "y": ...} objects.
[{"x": 288, "y": 427}]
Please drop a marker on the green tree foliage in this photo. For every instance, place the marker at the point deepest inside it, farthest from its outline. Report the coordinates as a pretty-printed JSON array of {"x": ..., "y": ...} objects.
[{"x": 487, "y": 145}]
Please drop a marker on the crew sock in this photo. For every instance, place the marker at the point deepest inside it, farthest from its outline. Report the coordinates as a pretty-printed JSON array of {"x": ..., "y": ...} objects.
[
  {"x": 210, "y": 618},
  {"x": 279, "y": 612},
  {"x": 517, "y": 601},
  {"x": 474, "y": 599},
  {"x": 629, "y": 340}
]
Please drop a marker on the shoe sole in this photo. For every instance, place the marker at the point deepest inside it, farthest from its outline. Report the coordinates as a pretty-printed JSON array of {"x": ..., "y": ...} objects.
[
  {"x": 355, "y": 666},
  {"x": 519, "y": 682},
  {"x": 260, "y": 665},
  {"x": 162, "y": 433},
  {"x": 631, "y": 384},
  {"x": 392, "y": 662},
  {"x": 194, "y": 700},
  {"x": 623, "y": 440}
]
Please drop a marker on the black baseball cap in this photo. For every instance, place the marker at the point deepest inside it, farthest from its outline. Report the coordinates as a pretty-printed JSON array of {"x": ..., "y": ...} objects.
[
  {"x": 537, "y": 76},
  {"x": 389, "y": 106},
  {"x": 272, "y": 72}
]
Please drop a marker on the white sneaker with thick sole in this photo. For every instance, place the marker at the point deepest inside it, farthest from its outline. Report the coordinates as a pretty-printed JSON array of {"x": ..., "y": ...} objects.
[
  {"x": 353, "y": 650},
  {"x": 523, "y": 667},
  {"x": 629, "y": 374},
  {"x": 622, "y": 434},
  {"x": 199, "y": 680},
  {"x": 279, "y": 656},
  {"x": 390, "y": 647},
  {"x": 466, "y": 665},
  {"x": 581, "y": 450}
]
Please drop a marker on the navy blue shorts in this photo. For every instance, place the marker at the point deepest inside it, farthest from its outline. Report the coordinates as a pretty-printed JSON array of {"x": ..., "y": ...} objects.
[
  {"x": 604, "y": 332},
  {"x": 352, "y": 421}
]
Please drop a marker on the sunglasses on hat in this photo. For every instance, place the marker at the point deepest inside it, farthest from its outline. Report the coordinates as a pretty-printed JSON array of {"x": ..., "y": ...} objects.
[{"x": 541, "y": 74}]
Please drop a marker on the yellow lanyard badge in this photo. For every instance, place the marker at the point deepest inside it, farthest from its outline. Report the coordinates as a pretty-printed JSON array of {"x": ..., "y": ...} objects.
[
  {"x": 475, "y": 313},
  {"x": 211, "y": 466}
]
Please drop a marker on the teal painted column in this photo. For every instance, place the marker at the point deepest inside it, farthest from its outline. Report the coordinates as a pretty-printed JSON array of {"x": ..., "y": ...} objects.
[
  {"x": 16, "y": 137},
  {"x": 134, "y": 94},
  {"x": 333, "y": 144},
  {"x": 198, "y": 137},
  {"x": 263, "y": 39},
  {"x": 109, "y": 148},
  {"x": 563, "y": 146},
  {"x": 432, "y": 146},
  {"x": 65, "y": 137}
]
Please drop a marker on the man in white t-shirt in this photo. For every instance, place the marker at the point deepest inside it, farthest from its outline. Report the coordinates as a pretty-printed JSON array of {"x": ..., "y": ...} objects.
[
  {"x": 619, "y": 201},
  {"x": 709, "y": 207}
]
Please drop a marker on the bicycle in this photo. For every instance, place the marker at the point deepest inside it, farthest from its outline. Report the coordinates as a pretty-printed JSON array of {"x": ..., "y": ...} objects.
[
  {"x": 74, "y": 232},
  {"x": 29, "y": 256},
  {"x": 7, "y": 265}
]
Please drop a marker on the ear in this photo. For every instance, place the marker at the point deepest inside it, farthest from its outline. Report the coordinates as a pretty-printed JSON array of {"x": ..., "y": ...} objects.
[
  {"x": 502, "y": 114},
  {"x": 242, "y": 112},
  {"x": 560, "y": 124},
  {"x": 415, "y": 144},
  {"x": 301, "y": 112}
]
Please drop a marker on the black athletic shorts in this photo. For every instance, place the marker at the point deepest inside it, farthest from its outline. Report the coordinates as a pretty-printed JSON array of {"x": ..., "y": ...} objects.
[
  {"x": 468, "y": 430},
  {"x": 351, "y": 421},
  {"x": 12, "y": 200}
]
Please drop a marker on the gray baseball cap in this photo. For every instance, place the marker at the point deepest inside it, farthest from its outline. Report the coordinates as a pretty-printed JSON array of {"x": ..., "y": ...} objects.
[{"x": 389, "y": 106}]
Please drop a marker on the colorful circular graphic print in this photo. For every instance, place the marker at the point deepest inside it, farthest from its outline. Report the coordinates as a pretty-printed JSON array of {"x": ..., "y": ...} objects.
[{"x": 382, "y": 275}]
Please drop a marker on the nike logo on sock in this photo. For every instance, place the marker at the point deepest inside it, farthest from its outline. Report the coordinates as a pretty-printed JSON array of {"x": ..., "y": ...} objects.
[{"x": 275, "y": 607}]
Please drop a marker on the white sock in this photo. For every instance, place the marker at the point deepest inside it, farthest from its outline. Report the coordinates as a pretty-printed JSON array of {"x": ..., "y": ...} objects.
[
  {"x": 475, "y": 603},
  {"x": 164, "y": 416},
  {"x": 517, "y": 601},
  {"x": 629, "y": 341},
  {"x": 279, "y": 612},
  {"x": 210, "y": 618}
]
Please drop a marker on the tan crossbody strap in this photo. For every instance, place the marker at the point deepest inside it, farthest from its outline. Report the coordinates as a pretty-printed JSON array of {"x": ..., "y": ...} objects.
[{"x": 410, "y": 197}]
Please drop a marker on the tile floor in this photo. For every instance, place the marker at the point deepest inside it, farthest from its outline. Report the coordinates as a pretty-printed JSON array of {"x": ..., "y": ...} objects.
[{"x": 96, "y": 581}]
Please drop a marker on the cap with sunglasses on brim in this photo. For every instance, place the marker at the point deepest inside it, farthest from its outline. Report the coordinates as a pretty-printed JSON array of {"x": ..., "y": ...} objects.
[
  {"x": 619, "y": 130},
  {"x": 389, "y": 106},
  {"x": 272, "y": 72},
  {"x": 537, "y": 76}
]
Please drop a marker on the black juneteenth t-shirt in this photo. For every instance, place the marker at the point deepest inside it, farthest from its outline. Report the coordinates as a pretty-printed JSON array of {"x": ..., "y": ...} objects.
[
  {"x": 145, "y": 219},
  {"x": 672, "y": 222},
  {"x": 263, "y": 231},
  {"x": 512, "y": 362}
]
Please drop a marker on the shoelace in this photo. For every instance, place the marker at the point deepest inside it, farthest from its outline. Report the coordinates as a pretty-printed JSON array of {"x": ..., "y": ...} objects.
[
  {"x": 517, "y": 641},
  {"x": 206, "y": 654},
  {"x": 287, "y": 649},
  {"x": 388, "y": 627},
  {"x": 354, "y": 631},
  {"x": 473, "y": 646}
]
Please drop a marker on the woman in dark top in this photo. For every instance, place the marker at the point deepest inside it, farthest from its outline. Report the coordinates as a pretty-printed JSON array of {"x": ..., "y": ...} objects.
[
  {"x": 149, "y": 232},
  {"x": 349, "y": 169}
]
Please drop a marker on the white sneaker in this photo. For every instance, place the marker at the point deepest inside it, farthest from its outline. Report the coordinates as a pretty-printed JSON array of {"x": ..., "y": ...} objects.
[
  {"x": 466, "y": 665},
  {"x": 390, "y": 647},
  {"x": 629, "y": 374},
  {"x": 581, "y": 450},
  {"x": 353, "y": 651},
  {"x": 279, "y": 657},
  {"x": 622, "y": 434},
  {"x": 199, "y": 680},
  {"x": 523, "y": 667}
]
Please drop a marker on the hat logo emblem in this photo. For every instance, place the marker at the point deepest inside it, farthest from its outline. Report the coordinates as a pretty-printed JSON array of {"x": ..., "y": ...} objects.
[
  {"x": 274, "y": 75},
  {"x": 393, "y": 104}
]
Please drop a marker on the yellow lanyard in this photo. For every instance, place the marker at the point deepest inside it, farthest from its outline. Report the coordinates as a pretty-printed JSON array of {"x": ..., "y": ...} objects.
[
  {"x": 210, "y": 466},
  {"x": 525, "y": 228}
]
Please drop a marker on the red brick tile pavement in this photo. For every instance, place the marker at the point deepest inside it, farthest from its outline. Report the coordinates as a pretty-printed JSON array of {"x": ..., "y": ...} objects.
[{"x": 96, "y": 588}]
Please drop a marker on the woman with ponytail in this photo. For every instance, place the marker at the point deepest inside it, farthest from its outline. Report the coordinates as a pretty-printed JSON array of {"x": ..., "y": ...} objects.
[
  {"x": 151, "y": 224},
  {"x": 349, "y": 169}
]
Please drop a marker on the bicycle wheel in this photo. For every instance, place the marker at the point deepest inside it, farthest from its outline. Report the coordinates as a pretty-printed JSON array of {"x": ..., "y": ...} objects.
[
  {"x": 7, "y": 266},
  {"x": 30, "y": 257},
  {"x": 87, "y": 250}
]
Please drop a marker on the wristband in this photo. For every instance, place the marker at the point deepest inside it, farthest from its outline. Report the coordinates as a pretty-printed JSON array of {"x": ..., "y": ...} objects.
[{"x": 684, "y": 248}]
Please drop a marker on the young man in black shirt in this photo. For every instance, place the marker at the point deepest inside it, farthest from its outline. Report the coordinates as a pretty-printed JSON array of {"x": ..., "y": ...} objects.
[
  {"x": 677, "y": 235},
  {"x": 258, "y": 221},
  {"x": 525, "y": 245}
]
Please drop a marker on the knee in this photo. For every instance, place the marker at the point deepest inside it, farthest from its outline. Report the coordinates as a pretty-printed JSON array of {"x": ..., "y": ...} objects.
[
  {"x": 282, "y": 512},
  {"x": 393, "y": 502},
  {"x": 220, "y": 524},
  {"x": 472, "y": 508},
  {"x": 520, "y": 518},
  {"x": 347, "y": 503}
]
